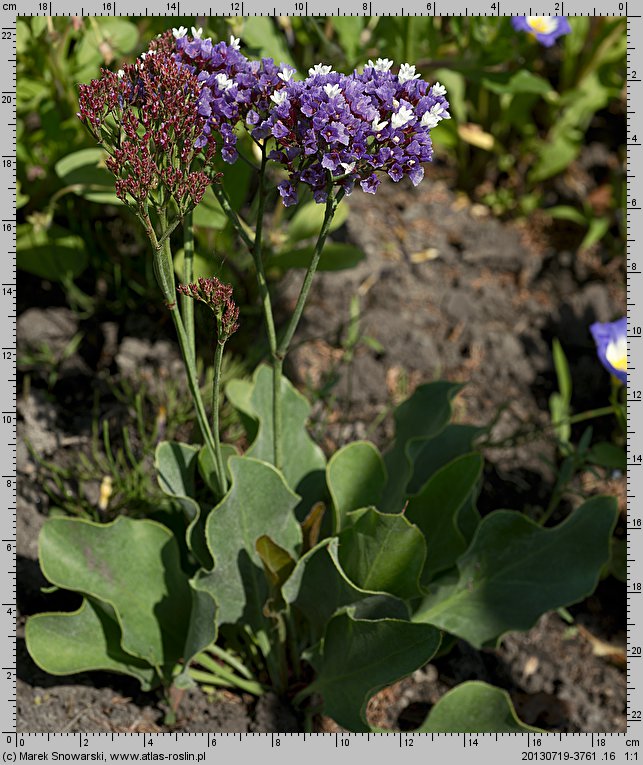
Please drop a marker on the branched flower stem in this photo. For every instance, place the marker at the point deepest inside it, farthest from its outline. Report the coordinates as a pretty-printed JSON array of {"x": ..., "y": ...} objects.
[
  {"x": 331, "y": 207},
  {"x": 164, "y": 270}
]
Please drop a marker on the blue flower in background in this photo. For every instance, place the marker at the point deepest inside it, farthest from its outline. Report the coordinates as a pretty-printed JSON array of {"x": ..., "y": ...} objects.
[
  {"x": 611, "y": 346},
  {"x": 546, "y": 29}
]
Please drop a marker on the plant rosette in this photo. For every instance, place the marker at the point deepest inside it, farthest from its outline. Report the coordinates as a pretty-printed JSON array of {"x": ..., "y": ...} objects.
[{"x": 323, "y": 580}]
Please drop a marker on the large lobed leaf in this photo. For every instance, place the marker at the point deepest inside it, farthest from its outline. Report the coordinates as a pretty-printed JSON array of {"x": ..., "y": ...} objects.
[
  {"x": 383, "y": 552},
  {"x": 360, "y": 657},
  {"x": 303, "y": 460},
  {"x": 356, "y": 477},
  {"x": 319, "y": 588},
  {"x": 474, "y": 707},
  {"x": 437, "y": 508},
  {"x": 259, "y": 503},
  {"x": 514, "y": 571},
  {"x": 420, "y": 418},
  {"x": 139, "y": 598},
  {"x": 176, "y": 465},
  {"x": 81, "y": 641}
]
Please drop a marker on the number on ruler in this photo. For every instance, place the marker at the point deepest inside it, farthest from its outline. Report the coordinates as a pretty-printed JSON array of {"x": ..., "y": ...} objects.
[
  {"x": 43, "y": 6},
  {"x": 6, "y": 98},
  {"x": 636, "y": 332},
  {"x": 107, "y": 6},
  {"x": 6, "y": 34},
  {"x": 172, "y": 7},
  {"x": 636, "y": 523},
  {"x": 556, "y": 7},
  {"x": 429, "y": 7},
  {"x": 235, "y": 6},
  {"x": 299, "y": 6}
]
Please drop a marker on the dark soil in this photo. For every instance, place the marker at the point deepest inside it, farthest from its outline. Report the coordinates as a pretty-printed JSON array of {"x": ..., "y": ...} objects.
[{"x": 447, "y": 291}]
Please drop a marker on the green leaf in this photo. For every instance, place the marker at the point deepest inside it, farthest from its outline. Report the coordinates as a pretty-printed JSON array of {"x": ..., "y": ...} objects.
[
  {"x": 311, "y": 526},
  {"x": 175, "y": 465},
  {"x": 474, "y": 707},
  {"x": 207, "y": 468},
  {"x": 514, "y": 571},
  {"x": 51, "y": 253},
  {"x": 455, "y": 84},
  {"x": 429, "y": 456},
  {"x": 335, "y": 257},
  {"x": 361, "y": 657},
  {"x": 567, "y": 212},
  {"x": 258, "y": 503},
  {"x": 421, "y": 417},
  {"x": 562, "y": 371},
  {"x": 277, "y": 563},
  {"x": 209, "y": 213},
  {"x": 349, "y": 29},
  {"x": 436, "y": 508},
  {"x": 82, "y": 641},
  {"x": 522, "y": 81},
  {"x": 356, "y": 477},
  {"x": 598, "y": 227},
  {"x": 260, "y": 32},
  {"x": 303, "y": 460},
  {"x": 609, "y": 456},
  {"x": 85, "y": 170},
  {"x": 319, "y": 588},
  {"x": 383, "y": 553},
  {"x": 618, "y": 559},
  {"x": 306, "y": 223},
  {"x": 203, "y": 267},
  {"x": 134, "y": 566}
]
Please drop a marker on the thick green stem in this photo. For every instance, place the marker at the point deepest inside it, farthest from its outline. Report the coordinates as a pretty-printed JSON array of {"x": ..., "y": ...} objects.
[
  {"x": 195, "y": 391},
  {"x": 164, "y": 270},
  {"x": 187, "y": 303},
  {"x": 216, "y": 393},
  {"x": 266, "y": 304},
  {"x": 331, "y": 207}
]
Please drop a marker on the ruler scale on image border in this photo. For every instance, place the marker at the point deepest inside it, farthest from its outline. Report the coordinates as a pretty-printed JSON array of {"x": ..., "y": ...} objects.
[{"x": 275, "y": 748}]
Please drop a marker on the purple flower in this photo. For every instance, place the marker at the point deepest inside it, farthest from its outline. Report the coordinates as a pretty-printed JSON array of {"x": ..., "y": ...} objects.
[
  {"x": 344, "y": 128},
  {"x": 288, "y": 193},
  {"x": 330, "y": 129},
  {"x": 546, "y": 29},
  {"x": 611, "y": 346}
]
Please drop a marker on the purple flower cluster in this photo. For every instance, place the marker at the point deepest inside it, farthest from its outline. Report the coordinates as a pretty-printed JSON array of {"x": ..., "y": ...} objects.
[
  {"x": 329, "y": 129},
  {"x": 340, "y": 129},
  {"x": 233, "y": 88}
]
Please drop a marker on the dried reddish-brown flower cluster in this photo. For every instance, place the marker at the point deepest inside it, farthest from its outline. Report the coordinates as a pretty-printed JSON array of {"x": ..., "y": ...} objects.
[
  {"x": 218, "y": 296},
  {"x": 147, "y": 119}
]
